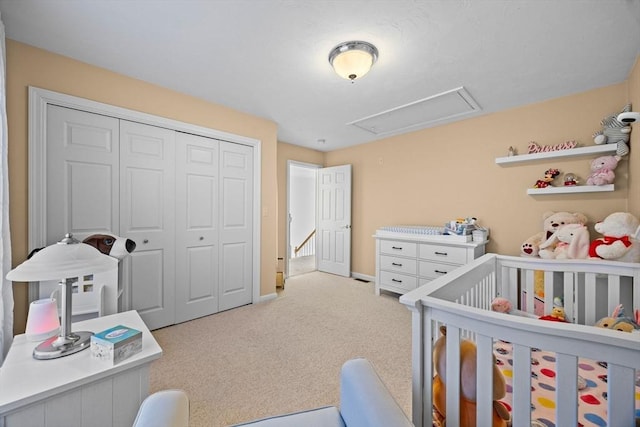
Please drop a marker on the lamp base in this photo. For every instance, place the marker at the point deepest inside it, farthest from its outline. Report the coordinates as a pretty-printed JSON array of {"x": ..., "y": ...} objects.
[{"x": 60, "y": 346}]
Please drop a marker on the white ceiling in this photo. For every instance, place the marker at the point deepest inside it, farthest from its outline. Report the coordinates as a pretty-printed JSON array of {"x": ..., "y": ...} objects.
[{"x": 269, "y": 57}]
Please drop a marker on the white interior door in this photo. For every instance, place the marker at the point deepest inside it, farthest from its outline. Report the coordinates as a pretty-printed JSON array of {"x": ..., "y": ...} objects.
[
  {"x": 236, "y": 225},
  {"x": 147, "y": 189},
  {"x": 196, "y": 226},
  {"x": 333, "y": 238}
]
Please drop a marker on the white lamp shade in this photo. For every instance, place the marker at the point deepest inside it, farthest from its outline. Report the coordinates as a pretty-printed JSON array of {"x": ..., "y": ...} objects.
[
  {"x": 42, "y": 321},
  {"x": 352, "y": 63},
  {"x": 62, "y": 261}
]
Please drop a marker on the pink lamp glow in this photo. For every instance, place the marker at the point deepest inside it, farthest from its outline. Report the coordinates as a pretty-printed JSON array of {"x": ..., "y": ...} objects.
[{"x": 42, "y": 321}]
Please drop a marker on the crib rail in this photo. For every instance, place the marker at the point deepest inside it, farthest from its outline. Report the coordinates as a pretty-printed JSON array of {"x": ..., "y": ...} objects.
[{"x": 461, "y": 300}]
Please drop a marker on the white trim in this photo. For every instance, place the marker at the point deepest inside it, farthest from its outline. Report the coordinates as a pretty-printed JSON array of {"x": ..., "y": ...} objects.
[
  {"x": 268, "y": 297},
  {"x": 39, "y": 99}
]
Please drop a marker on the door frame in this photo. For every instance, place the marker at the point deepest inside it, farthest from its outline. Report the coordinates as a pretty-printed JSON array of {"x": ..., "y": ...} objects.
[
  {"x": 40, "y": 99},
  {"x": 290, "y": 163}
]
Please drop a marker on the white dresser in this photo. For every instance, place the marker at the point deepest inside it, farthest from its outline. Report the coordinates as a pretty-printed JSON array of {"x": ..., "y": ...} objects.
[
  {"x": 406, "y": 261},
  {"x": 76, "y": 390}
]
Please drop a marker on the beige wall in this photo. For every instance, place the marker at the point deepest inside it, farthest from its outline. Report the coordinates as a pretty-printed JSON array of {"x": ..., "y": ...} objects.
[
  {"x": 438, "y": 174},
  {"x": 288, "y": 152},
  {"x": 28, "y": 66}
]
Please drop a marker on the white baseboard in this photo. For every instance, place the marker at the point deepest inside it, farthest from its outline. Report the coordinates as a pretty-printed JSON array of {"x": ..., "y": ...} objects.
[{"x": 268, "y": 297}]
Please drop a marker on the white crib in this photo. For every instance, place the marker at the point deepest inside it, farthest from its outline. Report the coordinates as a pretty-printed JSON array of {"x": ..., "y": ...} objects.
[{"x": 461, "y": 300}]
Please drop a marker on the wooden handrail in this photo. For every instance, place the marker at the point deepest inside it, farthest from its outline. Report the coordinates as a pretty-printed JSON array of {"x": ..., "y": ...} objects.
[{"x": 304, "y": 242}]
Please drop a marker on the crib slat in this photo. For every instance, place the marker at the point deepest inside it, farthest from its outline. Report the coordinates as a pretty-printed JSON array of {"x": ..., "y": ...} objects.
[
  {"x": 614, "y": 293},
  {"x": 567, "y": 390},
  {"x": 521, "y": 385},
  {"x": 590, "y": 295},
  {"x": 569, "y": 303},
  {"x": 484, "y": 380},
  {"x": 621, "y": 398},
  {"x": 453, "y": 375},
  {"x": 548, "y": 291},
  {"x": 528, "y": 282}
]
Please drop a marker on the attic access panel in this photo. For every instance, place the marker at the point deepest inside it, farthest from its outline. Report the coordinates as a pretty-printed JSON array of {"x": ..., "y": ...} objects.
[{"x": 419, "y": 114}]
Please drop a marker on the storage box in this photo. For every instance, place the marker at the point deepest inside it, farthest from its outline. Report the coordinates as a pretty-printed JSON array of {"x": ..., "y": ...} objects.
[{"x": 116, "y": 344}]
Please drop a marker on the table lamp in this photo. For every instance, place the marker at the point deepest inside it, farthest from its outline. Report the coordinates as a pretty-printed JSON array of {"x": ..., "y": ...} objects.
[{"x": 65, "y": 260}]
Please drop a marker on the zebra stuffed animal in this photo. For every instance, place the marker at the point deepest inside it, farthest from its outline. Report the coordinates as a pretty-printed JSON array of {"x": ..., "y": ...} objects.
[{"x": 615, "y": 132}]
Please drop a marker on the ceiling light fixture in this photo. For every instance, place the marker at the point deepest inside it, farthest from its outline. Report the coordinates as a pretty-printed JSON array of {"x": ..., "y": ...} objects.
[{"x": 352, "y": 60}]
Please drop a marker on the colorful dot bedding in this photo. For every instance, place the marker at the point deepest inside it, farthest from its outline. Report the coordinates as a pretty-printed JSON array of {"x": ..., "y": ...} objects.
[{"x": 592, "y": 387}]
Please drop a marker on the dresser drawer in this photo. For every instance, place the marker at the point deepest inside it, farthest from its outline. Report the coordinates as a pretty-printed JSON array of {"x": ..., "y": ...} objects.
[
  {"x": 398, "y": 281},
  {"x": 399, "y": 265},
  {"x": 398, "y": 248},
  {"x": 434, "y": 270},
  {"x": 444, "y": 253}
]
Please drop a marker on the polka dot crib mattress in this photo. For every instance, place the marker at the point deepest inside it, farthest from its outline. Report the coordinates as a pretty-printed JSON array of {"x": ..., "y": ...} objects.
[{"x": 592, "y": 387}]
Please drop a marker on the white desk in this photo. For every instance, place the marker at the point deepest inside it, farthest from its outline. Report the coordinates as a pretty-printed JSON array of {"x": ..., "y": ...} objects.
[{"x": 76, "y": 390}]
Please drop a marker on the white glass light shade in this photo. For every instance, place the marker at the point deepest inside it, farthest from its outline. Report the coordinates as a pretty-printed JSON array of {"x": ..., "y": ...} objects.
[
  {"x": 61, "y": 261},
  {"x": 42, "y": 321},
  {"x": 352, "y": 60}
]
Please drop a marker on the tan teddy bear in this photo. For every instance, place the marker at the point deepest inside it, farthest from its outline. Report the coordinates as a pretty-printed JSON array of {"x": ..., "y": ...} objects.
[{"x": 551, "y": 221}]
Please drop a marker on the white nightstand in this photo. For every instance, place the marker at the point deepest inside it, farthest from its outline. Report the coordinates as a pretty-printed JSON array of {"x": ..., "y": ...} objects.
[{"x": 76, "y": 390}]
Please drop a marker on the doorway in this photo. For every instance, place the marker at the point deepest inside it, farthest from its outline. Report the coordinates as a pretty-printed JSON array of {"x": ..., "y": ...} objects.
[{"x": 301, "y": 224}]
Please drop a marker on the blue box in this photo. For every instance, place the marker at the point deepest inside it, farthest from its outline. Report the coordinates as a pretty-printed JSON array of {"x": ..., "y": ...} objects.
[{"x": 116, "y": 344}]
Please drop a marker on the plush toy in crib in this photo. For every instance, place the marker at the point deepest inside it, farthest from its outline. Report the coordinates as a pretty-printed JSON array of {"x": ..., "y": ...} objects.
[
  {"x": 570, "y": 241},
  {"x": 620, "y": 238},
  {"x": 551, "y": 222},
  {"x": 468, "y": 368},
  {"x": 501, "y": 305},
  {"x": 602, "y": 170},
  {"x": 615, "y": 132},
  {"x": 619, "y": 322},
  {"x": 557, "y": 312}
]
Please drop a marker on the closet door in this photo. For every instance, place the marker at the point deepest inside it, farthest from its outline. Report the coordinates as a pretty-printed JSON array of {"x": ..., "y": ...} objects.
[
  {"x": 147, "y": 197},
  {"x": 82, "y": 174},
  {"x": 236, "y": 225},
  {"x": 197, "y": 216}
]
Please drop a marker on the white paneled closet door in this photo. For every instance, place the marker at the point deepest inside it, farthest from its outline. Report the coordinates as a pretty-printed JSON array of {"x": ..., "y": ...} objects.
[
  {"x": 197, "y": 218},
  {"x": 82, "y": 174},
  {"x": 147, "y": 199},
  {"x": 236, "y": 225}
]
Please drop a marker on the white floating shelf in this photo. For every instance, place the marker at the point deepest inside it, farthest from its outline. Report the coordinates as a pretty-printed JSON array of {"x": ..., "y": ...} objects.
[
  {"x": 570, "y": 152},
  {"x": 571, "y": 189}
]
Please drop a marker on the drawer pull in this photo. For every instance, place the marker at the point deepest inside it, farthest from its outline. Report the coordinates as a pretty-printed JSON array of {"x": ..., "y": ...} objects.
[
  {"x": 441, "y": 253},
  {"x": 440, "y": 272},
  {"x": 396, "y": 280},
  {"x": 396, "y": 264},
  {"x": 396, "y": 247}
]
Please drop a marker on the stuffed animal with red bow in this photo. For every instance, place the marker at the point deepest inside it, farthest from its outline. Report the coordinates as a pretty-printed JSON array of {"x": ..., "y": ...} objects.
[{"x": 619, "y": 241}]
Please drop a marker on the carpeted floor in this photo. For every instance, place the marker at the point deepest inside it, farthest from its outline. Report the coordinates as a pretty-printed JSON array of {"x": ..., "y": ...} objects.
[{"x": 285, "y": 355}]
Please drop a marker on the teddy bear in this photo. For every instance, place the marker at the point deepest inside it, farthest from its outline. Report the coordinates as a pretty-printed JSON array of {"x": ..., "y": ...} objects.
[
  {"x": 551, "y": 221},
  {"x": 571, "y": 242},
  {"x": 468, "y": 368},
  {"x": 615, "y": 132},
  {"x": 619, "y": 241},
  {"x": 602, "y": 170}
]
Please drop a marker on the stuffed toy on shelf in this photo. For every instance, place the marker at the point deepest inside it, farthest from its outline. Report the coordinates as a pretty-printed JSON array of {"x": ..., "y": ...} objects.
[
  {"x": 615, "y": 132},
  {"x": 602, "y": 170},
  {"x": 549, "y": 176}
]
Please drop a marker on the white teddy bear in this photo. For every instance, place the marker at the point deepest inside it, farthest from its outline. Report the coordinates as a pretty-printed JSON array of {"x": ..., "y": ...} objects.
[{"x": 620, "y": 238}]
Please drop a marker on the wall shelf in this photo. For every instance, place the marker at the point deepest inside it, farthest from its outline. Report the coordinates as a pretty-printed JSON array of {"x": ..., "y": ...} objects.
[
  {"x": 571, "y": 189},
  {"x": 571, "y": 152}
]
